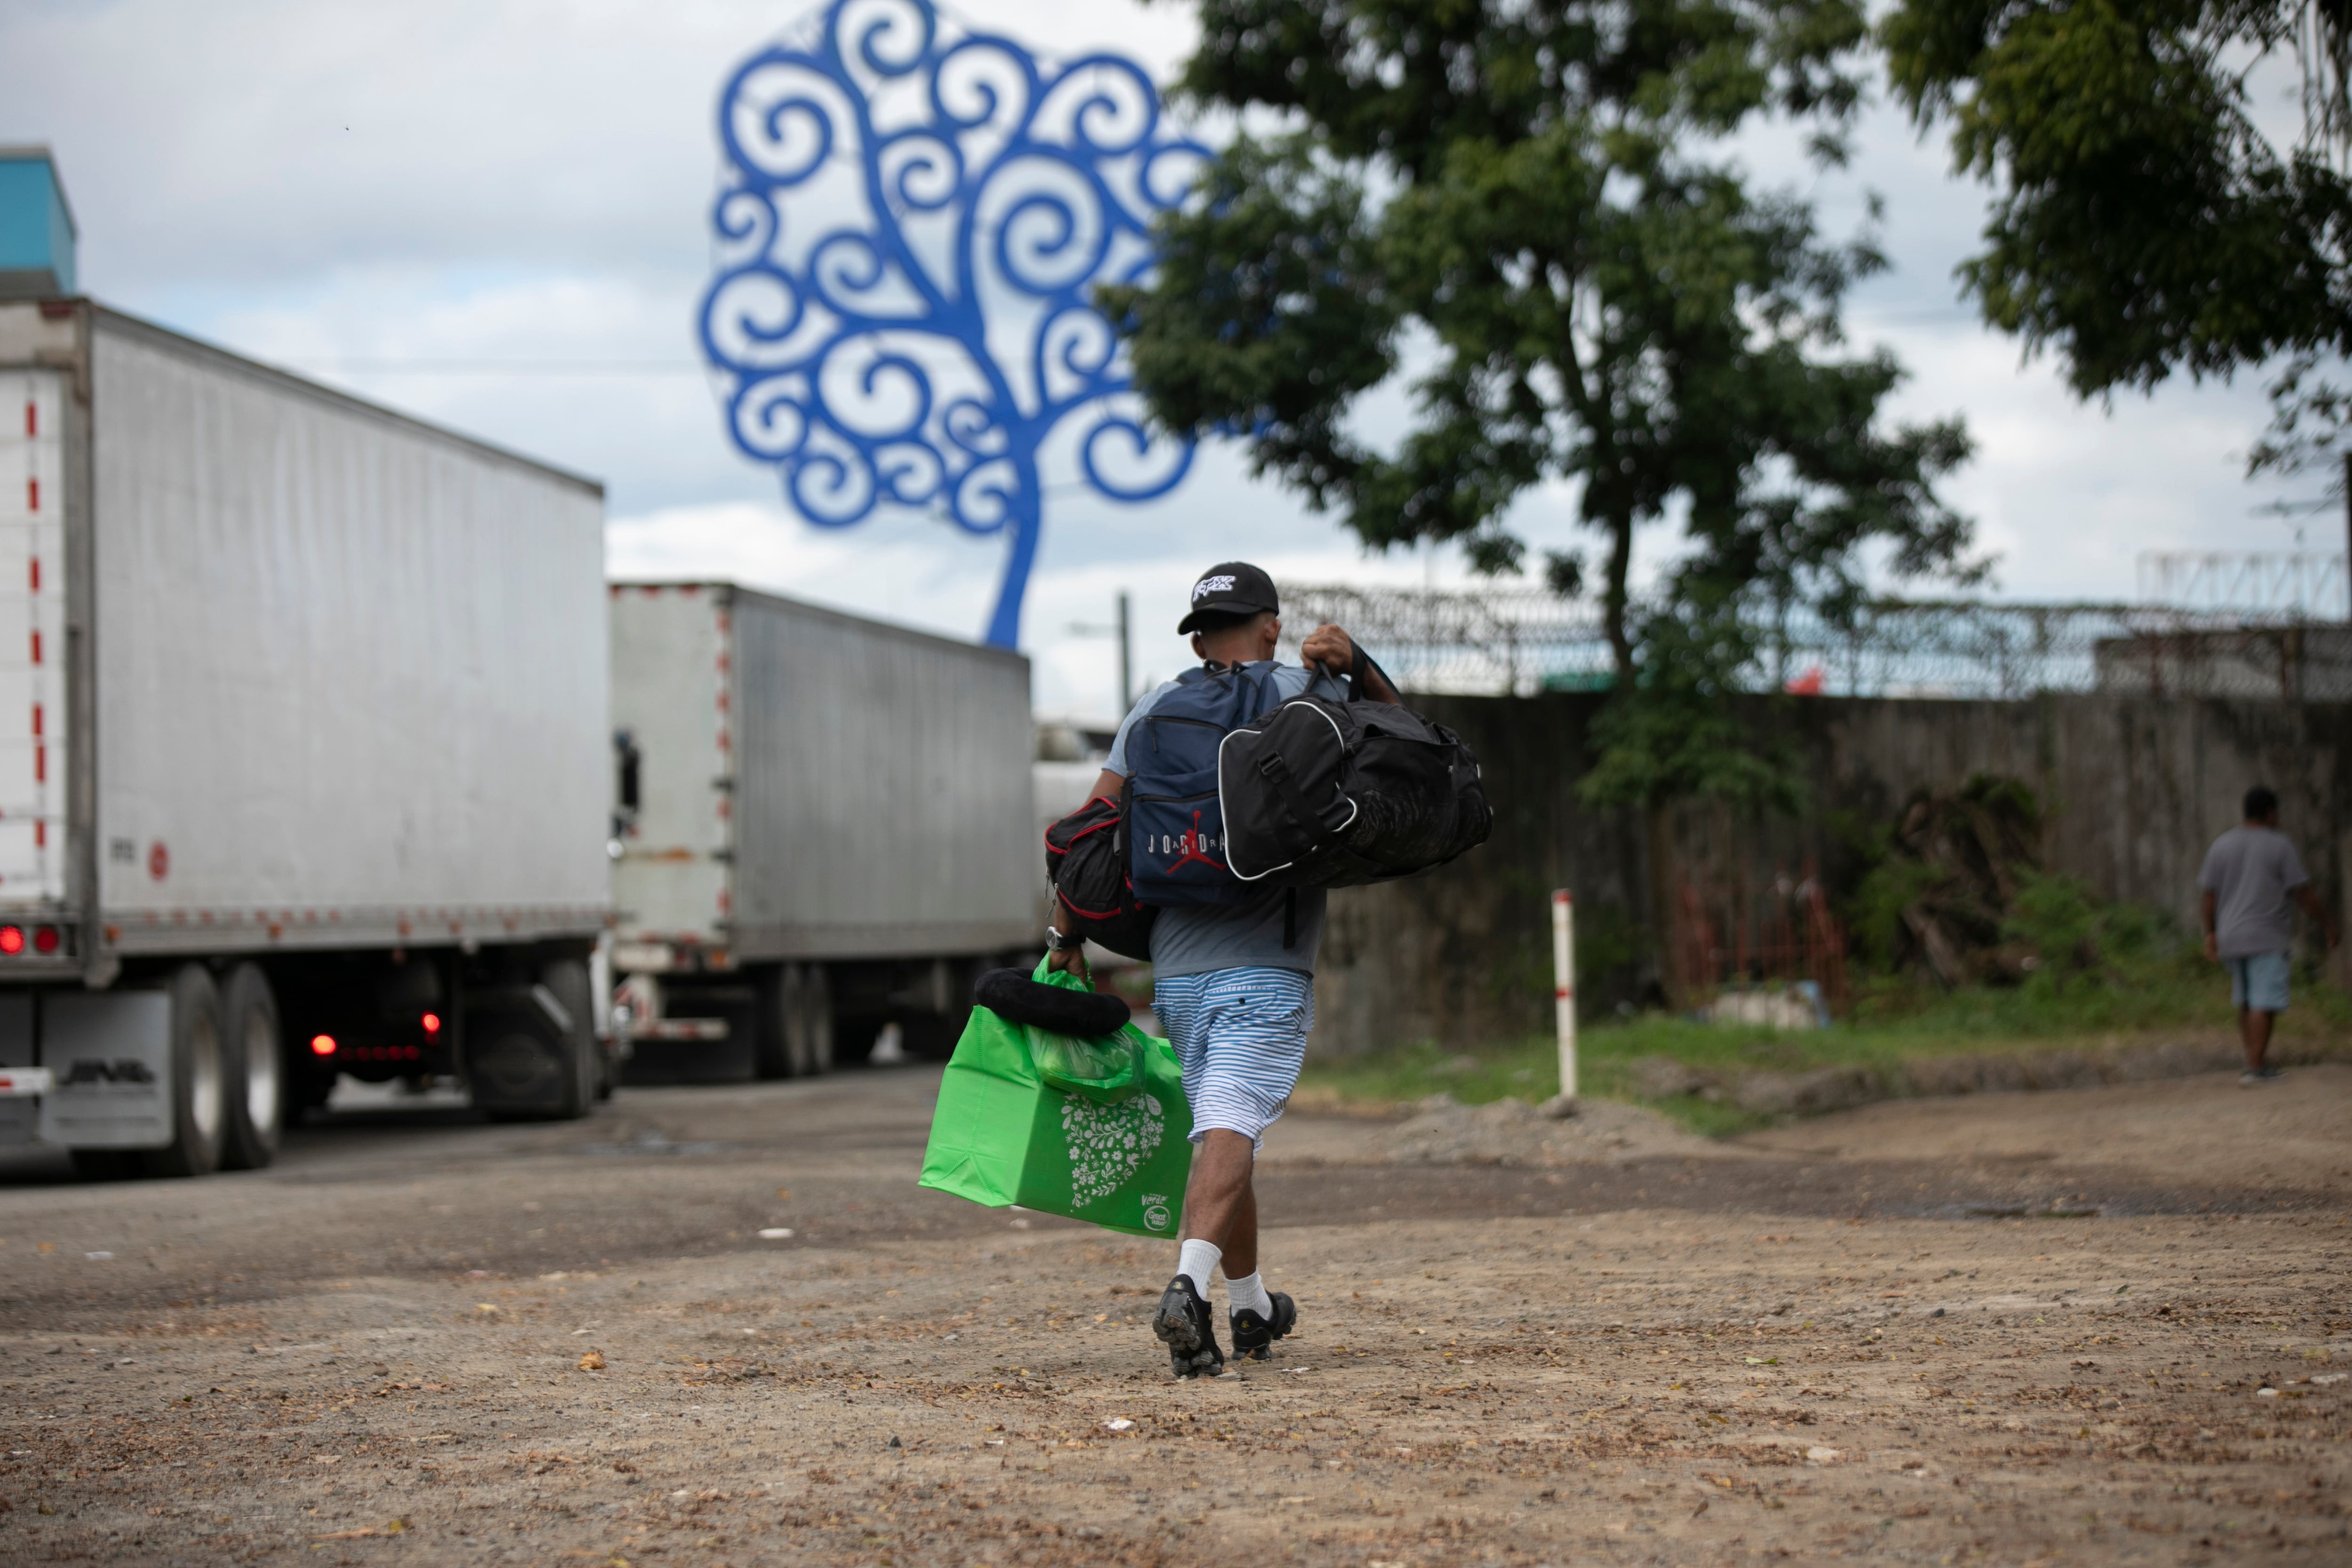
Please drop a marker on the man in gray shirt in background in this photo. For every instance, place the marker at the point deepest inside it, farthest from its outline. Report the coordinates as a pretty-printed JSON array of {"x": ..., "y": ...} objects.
[{"x": 2248, "y": 877}]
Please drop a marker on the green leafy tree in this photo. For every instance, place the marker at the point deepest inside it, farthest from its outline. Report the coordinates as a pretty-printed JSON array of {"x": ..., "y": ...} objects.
[
  {"x": 1540, "y": 193},
  {"x": 2143, "y": 223}
]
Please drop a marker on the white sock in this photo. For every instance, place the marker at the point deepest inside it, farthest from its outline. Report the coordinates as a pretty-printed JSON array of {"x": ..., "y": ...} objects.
[
  {"x": 1247, "y": 1294},
  {"x": 1197, "y": 1261}
]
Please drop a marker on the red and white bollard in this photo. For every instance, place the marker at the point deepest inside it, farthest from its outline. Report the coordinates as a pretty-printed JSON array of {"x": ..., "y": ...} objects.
[{"x": 1563, "y": 995}]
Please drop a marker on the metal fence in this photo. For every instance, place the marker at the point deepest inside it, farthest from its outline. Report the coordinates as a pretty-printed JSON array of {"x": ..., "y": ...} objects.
[
  {"x": 2303, "y": 585},
  {"x": 1740, "y": 935},
  {"x": 1524, "y": 640}
]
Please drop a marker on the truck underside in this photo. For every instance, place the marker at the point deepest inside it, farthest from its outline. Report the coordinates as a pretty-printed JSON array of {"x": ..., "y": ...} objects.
[
  {"x": 188, "y": 1066},
  {"x": 793, "y": 1019}
]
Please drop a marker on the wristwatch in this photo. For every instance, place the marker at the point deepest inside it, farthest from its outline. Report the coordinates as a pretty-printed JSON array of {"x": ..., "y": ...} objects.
[{"x": 1057, "y": 943}]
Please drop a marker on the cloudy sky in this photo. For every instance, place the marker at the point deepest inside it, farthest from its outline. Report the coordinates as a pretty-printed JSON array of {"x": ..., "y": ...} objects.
[{"x": 495, "y": 214}]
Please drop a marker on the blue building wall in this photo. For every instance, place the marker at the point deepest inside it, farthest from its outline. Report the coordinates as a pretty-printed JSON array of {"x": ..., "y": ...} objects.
[{"x": 36, "y": 230}]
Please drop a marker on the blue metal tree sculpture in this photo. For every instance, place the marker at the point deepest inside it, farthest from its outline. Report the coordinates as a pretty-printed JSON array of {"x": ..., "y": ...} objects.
[{"x": 908, "y": 236}]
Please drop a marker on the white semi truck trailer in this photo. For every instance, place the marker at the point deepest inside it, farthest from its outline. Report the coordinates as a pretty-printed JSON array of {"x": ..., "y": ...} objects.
[
  {"x": 303, "y": 735},
  {"x": 822, "y": 828}
]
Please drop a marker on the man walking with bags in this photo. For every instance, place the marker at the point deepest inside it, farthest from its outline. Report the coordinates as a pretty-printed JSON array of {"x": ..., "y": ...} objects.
[{"x": 1233, "y": 981}]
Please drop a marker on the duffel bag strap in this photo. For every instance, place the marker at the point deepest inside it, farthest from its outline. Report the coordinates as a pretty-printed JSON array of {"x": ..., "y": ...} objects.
[
  {"x": 1275, "y": 771},
  {"x": 1363, "y": 666}
]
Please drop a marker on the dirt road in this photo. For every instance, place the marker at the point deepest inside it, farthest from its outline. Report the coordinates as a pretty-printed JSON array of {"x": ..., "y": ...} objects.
[{"x": 2102, "y": 1326}]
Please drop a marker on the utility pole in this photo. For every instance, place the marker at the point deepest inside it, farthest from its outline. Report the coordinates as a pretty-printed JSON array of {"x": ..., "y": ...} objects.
[
  {"x": 1127, "y": 693},
  {"x": 1126, "y": 643}
]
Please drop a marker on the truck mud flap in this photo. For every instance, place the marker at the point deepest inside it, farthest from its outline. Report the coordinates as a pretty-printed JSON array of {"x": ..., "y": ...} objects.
[
  {"x": 110, "y": 1056},
  {"x": 522, "y": 1055}
]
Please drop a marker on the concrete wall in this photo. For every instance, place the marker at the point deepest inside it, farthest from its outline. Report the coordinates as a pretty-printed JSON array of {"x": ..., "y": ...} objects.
[{"x": 2135, "y": 788}]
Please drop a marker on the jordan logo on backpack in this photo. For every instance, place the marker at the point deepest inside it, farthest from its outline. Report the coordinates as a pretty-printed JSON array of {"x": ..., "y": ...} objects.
[{"x": 1189, "y": 843}]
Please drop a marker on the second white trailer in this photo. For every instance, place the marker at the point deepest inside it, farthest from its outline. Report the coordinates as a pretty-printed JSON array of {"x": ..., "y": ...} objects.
[{"x": 819, "y": 821}]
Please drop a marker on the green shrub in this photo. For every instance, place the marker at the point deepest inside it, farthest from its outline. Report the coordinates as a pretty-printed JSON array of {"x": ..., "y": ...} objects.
[
  {"x": 1874, "y": 913},
  {"x": 2058, "y": 919}
]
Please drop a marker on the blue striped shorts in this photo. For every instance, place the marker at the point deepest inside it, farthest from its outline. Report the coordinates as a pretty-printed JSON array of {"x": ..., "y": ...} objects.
[{"x": 1241, "y": 1036}]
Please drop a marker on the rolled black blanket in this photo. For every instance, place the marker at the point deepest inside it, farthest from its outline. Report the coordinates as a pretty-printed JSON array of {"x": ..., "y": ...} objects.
[{"x": 1087, "y": 1015}]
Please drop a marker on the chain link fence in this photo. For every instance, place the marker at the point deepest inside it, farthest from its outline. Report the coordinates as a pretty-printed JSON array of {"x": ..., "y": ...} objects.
[{"x": 1525, "y": 640}]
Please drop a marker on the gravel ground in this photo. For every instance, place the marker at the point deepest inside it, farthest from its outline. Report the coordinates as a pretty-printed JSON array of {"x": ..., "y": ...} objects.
[{"x": 2105, "y": 1340}]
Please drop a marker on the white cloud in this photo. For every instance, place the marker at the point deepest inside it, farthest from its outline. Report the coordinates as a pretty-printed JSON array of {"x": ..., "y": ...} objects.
[{"x": 2068, "y": 495}]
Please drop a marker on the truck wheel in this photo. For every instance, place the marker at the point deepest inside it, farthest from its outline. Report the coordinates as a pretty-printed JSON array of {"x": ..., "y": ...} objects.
[
  {"x": 567, "y": 978},
  {"x": 796, "y": 1022},
  {"x": 816, "y": 1022},
  {"x": 199, "y": 1079},
  {"x": 254, "y": 1070}
]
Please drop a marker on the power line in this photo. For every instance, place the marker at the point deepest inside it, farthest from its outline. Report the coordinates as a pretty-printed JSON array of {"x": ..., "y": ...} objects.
[{"x": 500, "y": 367}]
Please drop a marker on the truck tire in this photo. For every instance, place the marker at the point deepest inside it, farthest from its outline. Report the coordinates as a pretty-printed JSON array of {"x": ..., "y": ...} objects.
[
  {"x": 254, "y": 1070},
  {"x": 567, "y": 978},
  {"x": 796, "y": 1022},
  {"x": 815, "y": 1054},
  {"x": 199, "y": 1079}
]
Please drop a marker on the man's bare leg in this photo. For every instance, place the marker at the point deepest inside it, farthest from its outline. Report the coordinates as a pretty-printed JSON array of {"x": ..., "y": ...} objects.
[
  {"x": 1220, "y": 1206},
  {"x": 1241, "y": 1238},
  {"x": 2254, "y": 1030}
]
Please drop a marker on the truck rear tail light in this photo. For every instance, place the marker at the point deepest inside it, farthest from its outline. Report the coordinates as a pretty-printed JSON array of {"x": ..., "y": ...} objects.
[
  {"x": 44, "y": 938},
  {"x": 432, "y": 1023},
  {"x": 322, "y": 1044},
  {"x": 12, "y": 939}
]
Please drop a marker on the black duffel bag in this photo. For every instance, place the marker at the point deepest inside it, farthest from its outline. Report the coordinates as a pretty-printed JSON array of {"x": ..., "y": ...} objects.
[
  {"x": 1086, "y": 860},
  {"x": 1329, "y": 795}
]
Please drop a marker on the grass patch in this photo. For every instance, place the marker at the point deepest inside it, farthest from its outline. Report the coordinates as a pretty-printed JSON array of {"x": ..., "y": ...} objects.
[{"x": 2170, "y": 992}]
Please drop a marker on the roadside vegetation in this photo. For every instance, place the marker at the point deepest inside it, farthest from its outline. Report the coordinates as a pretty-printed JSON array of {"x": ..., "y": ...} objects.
[
  {"x": 2101, "y": 977},
  {"x": 1971, "y": 967}
]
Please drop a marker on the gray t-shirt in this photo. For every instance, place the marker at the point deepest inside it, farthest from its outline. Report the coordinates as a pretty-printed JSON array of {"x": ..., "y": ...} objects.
[
  {"x": 1190, "y": 940},
  {"x": 2250, "y": 871}
]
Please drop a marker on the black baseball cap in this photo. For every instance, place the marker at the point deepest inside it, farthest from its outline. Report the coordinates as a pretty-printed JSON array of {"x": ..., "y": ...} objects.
[{"x": 1229, "y": 588}]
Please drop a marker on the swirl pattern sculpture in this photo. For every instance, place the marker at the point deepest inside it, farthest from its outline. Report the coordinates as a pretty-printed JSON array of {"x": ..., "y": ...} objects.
[{"x": 909, "y": 231}]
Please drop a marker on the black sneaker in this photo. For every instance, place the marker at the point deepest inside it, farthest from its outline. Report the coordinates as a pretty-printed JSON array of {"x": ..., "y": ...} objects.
[
  {"x": 1186, "y": 1327},
  {"x": 1253, "y": 1336}
]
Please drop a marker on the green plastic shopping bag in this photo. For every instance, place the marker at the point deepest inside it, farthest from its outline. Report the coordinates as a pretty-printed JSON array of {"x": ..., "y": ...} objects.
[{"x": 1097, "y": 1130}]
